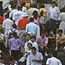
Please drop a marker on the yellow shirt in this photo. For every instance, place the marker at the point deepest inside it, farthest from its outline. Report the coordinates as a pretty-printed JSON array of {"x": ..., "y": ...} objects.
[{"x": 60, "y": 37}]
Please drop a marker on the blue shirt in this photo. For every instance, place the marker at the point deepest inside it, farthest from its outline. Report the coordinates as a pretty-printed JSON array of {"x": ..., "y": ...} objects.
[{"x": 31, "y": 28}]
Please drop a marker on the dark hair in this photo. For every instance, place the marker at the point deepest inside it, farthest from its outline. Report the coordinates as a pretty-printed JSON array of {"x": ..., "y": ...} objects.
[
  {"x": 33, "y": 37},
  {"x": 13, "y": 7},
  {"x": 61, "y": 31},
  {"x": 53, "y": 2},
  {"x": 35, "y": 14},
  {"x": 11, "y": 3},
  {"x": 33, "y": 48},
  {"x": 42, "y": 6},
  {"x": 19, "y": 8},
  {"x": 15, "y": 34},
  {"x": 54, "y": 53},
  {"x": 41, "y": 13},
  {"x": 29, "y": 44},
  {"x": 27, "y": 34},
  {"x": 31, "y": 19},
  {"x": 14, "y": 26},
  {"x": 23, "y": 4}
]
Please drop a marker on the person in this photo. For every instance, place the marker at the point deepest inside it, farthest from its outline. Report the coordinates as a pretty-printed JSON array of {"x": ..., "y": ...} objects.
[
  {"x": 42, "y": 43},
  {"x": 37, "y": 21},
  {"x": 62, "y": 21},
  {"x": 34, "y": 43},
  {"x": 18, "y": 15},
  {"x": 12, "y": 12},
  {"x": 53, "y": 16},
  {"x": 53, "y": 60},
  {"x": 26, "y": 42},
  {"x": 42, "y": 8},
  {"x": 14, "y": 29},
  {"x": 22, "y": 24},
  {"x": 42, "y": 18},
  {"x": 7, "y": 24},
  {"x": 31, "y": 28},
  {"x": 24, "y": 9},
  {"x": 14, "y": 46},
  {"x": 35, "y": 58},
  {"x": 60, "y": 39},
  {"x": 31, "y": 10},
  {"x": 25, "y": 56}
]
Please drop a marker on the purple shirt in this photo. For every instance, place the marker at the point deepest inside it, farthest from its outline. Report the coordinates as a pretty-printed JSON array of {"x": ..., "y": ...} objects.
[
  {"x": 42, "y": 40},
  {"x": 14, "y": 44}
]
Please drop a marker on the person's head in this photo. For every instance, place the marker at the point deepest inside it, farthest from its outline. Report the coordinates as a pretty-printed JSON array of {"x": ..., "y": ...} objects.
[
  {"x": 43, "y": 33},
  {"x": 42, "y": 6},
  {"x": 14, "y": 26},
  {"x": 11, "y": 3},
  {"x": 33, "y": 38},
  {"x": 29, "y": 45},
  {"x": 53, "y": 4},
  {"x": 27, "y": 37},
  {"x": 33, "y": 50},
  {"x": 19, "y": 8},
  {"x": 60, "y": 32},
  {"x": 13, "y": 7},
  {"x": 15, "y": 35},
  {"x": 35, "y": 14},
  {"x": 31, "y": 19},
  {"x": 23, "y": 4},
  {"x": 54, "y": 54},
  {"x": 41, "y": 13}
]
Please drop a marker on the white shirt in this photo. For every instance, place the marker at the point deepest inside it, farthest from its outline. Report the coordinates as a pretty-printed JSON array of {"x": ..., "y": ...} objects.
[
  {"x": 17, "y": 16},
  {"x": 34, "y": 44},
  {"x": 7, "y": 24},
  {"x": 24, "y": 9},
  {"x": 26, "y": 47},
  {"x": 54, "y": 13},
  {"x": 62, "y": 16},
  {"x": 37, "y": 56},
  {"x": 12, "y": 12},
  {"x": 53, "y": 61},
  {"x": 2, "y": 64},
  {"x": 31, "y": 28}
]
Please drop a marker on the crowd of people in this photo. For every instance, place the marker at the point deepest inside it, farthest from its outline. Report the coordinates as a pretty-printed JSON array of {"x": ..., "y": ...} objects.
[{"x": 30, "y": 31}]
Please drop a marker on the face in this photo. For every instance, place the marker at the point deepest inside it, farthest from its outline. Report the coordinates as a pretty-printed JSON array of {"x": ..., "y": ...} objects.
[
  {"x": 60, "y": 33},
  {"x": 32, "y": 39},
  {"x": 53, "y": 5},
  {"x": 33, "y": 51},
  {"x": 27, "y": 37},
  {"x": 29, "y": 46}
]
